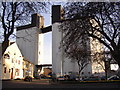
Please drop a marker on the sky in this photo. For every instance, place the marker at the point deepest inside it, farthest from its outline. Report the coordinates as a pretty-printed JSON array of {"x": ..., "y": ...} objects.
[
  {"x": 47, "y": 49},
  {"x": 47, "y": 42}
]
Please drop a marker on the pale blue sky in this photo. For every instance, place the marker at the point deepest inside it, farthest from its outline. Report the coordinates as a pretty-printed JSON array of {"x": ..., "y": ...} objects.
[
  {"x": 47, "y": 53},
  {"x": 47, "y": 48},
  {"x": 47, "y": 44}
]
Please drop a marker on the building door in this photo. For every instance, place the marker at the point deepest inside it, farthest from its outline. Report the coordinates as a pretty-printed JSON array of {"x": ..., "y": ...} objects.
[{"x": 11, "y": 73}]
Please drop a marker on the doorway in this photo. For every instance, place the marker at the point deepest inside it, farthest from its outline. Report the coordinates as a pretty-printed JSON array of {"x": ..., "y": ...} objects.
[{"x": 11, "y": 73}]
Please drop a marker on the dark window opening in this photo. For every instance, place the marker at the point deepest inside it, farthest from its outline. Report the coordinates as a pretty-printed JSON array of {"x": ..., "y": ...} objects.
[
  {"x": 9, "y": 70},
  {"x": 6, "y": 56},
  {"x": 18, "y": 61},
  {"x": 82, "y": 72},
  {"x": 5, "y": 68}
]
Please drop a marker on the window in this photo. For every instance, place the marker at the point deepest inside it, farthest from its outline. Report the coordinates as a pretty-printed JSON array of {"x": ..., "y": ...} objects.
[
  {"x": 95, "y": 73},
  {"x": 17, "y": 72},
  {"x": 88, "y": 72},
  {"x": 18, "y": 61},
  {"x": 23, "y": 63},
  {"x": 27, "y": 65},
  {"x": 6, "y": 56},
  {"x": 12, "y": 60},
  {"x": 9, "y": 70},
  {"x": 27, "y": 73},
  {"x": 5, "y": 68}
]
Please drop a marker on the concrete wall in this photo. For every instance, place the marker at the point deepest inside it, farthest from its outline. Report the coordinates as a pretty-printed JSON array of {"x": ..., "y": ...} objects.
[
  {"x": 60, "y": 64},
  {"x": 28, "y": 43},
  {"x": 40, "y": 48},
  {"x": 56, "y": 54},
  {"x": 13, "y": 62}
]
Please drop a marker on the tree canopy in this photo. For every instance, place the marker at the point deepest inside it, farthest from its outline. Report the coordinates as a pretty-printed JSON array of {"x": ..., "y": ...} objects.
[
  {"x": 17, "y": 13},
  {"x": 99, "y": 20}
]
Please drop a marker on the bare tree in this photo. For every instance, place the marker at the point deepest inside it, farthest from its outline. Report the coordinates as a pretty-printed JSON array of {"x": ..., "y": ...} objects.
[
  {"x": 77, "y": 51},
  {"x": 17, "y": 13},
  {"x": 80, "y": 56},
  {"x": 93, "y": 18}
]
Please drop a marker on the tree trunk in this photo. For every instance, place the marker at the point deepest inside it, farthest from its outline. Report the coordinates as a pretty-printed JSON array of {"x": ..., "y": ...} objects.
[
  {"x": 79, "y": 75},
  {"x": 5, "y": 44},
  {"x": 116, "y": 56},
  {"x": 107, "y": 68},
  {"x": 106, "y": 74}
]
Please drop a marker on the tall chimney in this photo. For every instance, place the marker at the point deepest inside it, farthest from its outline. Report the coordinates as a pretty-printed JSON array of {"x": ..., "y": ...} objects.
[
  {"x": 37, "y": 20},
  {"x": 56, "y": 13}
]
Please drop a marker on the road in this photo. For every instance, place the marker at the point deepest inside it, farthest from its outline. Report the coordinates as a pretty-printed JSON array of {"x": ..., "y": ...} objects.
[{"x": 22, "y": 84}]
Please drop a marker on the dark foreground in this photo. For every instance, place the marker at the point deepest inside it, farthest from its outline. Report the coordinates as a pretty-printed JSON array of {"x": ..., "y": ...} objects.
[{"x": 14, "y": 84}]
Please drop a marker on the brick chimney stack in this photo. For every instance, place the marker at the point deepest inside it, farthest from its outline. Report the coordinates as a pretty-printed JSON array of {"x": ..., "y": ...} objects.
[
  {"x": 37, "y": 20},
  {"x": 57, "y": 13}
]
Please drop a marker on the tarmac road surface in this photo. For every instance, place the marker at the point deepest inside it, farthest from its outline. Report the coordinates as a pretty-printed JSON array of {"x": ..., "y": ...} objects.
[{"x": 22, "y": 84}]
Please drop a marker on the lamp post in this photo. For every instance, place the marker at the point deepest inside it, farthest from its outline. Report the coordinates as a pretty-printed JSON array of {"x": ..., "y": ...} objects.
[{"x": 107, "y": 63}]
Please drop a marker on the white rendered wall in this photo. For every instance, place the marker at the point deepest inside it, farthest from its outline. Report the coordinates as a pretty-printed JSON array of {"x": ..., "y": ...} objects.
[
  {"x": 60, "y": 64},
  {"x": 15, "y": 56},
  {"x": 34, "y": 45},
  {"x": 56, "y": 54},
  {"x": 40, "y": 49},
  {"x": 28, "y": 43}
]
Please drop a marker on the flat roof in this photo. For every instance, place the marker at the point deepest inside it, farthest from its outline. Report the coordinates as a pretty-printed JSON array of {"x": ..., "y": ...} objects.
[
  {"x": 46, "y": 29},
  {"x": 43, "y": 65}
]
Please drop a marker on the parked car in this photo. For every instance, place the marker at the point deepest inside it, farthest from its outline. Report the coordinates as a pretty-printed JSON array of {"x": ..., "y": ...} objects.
[
  {"x": 60, "y": 78},
  {"x": 50, "y": 74},
  {"x": 114, "y": 77},
  {"x": 79, "y": 78},
  {"x": 48, "y": 77},
  {"x": 37, "y": 77},
  {"x": 66, "y": 77},
  {"x": 42, "y": 76},
  {"x": 72, "y": 76},
  {"x": 28, "y": 78},
  {"x": 92, "y": 78},
  {"x": 103, "y": 78}
]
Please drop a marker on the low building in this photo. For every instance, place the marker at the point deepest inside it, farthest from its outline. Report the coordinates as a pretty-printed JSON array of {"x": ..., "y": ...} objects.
[
  {"x": 44, "y": 69},
  {"x": 28, "y": 68},
  {"x": 12, "y": 62}
]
